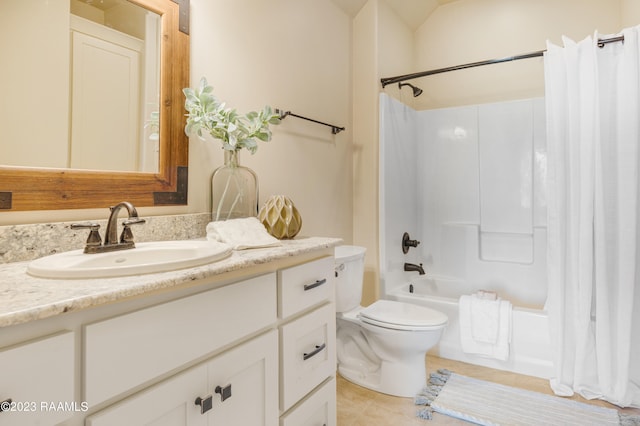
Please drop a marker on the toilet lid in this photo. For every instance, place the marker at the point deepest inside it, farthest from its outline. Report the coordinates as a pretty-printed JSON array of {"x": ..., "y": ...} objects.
[{"x": 403, "y": 316}]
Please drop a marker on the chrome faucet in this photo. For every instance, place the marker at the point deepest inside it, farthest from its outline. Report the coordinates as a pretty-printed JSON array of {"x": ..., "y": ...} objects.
[
  {"x": 413, "y": 267},
  {"x": 111, "y": 240}
]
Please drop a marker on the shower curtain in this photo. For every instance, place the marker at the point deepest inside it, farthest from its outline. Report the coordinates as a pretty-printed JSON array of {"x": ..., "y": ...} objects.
[{"x": 593, "y": 183}]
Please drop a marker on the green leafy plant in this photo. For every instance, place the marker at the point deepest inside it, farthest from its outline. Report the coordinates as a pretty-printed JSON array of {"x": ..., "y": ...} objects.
[{"x": 236, "y": 131}]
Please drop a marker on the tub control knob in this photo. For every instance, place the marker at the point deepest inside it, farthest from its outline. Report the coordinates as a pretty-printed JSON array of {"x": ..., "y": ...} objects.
[{"x": 407, "y": 243}]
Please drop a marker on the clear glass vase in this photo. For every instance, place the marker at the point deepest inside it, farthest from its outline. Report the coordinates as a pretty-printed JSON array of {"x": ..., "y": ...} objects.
[{"x": 234, "y": 190}]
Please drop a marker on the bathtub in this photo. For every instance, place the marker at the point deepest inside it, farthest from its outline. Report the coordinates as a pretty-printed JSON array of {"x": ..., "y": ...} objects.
[{"x": 530, "y": 351}]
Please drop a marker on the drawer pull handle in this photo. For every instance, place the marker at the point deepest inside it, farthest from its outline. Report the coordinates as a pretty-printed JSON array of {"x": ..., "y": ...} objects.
[
  {"x": 5, "y": 405},
  {"x": 205, "y": 404},
  {"x": 225, "y": 392},
  {"x": 314, "y": 352},
  {"x": 318, "y": 283}
]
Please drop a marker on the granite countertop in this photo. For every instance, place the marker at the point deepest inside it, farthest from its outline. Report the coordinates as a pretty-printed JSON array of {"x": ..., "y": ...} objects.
[{"x": 25, "y": 298}]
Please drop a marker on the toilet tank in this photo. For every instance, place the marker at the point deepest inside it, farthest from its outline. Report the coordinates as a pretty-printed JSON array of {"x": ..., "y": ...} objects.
[{"x": 349, "y": 261}]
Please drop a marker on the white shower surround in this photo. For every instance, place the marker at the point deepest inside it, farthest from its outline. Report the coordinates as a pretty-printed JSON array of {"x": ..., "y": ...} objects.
[{"x": 468, "y": 182}]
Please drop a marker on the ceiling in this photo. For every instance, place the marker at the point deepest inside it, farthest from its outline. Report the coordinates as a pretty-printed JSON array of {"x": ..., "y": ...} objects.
[{"x": 413, "y": 12}]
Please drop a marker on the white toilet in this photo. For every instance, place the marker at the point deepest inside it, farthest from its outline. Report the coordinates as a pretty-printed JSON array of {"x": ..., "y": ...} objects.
[{"x": 383, "y": 346}]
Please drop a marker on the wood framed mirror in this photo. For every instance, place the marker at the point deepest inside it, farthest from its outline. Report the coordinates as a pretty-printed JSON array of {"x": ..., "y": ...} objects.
[{"x": 34, "y": 188}]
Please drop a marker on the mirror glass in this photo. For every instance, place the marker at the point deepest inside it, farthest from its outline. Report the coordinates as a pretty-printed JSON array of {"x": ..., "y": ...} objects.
[{"x": 80, "y": 85}]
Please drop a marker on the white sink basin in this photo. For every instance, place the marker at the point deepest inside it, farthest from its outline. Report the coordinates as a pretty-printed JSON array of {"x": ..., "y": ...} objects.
[{"x": 145, "y": 258}]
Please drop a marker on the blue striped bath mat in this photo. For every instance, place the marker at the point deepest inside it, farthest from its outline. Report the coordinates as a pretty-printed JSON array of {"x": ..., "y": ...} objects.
[{"x": 490, "y": 404}]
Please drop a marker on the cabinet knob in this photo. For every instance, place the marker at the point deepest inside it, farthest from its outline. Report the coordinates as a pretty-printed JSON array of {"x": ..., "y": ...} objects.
[
  {"x": 225, "y": 392},
  {"x": 205, "y": 404}
]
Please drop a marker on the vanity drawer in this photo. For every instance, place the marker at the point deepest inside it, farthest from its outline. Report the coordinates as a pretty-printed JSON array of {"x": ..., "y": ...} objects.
[
  {"x": 129, "y": 350},
  {"x": 308, "y": 354},
  {"x": 306, "y": 285},
  {"x": 36, "y": 373},
  {"x": 318, "y": 409}
]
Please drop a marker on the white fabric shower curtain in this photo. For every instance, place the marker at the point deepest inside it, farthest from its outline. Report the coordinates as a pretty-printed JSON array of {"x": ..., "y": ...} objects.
[{"x": 593, "y": 184}]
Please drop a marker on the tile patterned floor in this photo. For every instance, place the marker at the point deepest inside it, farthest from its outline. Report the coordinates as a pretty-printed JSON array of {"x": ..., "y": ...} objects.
[{"x": 358, "y": 406}]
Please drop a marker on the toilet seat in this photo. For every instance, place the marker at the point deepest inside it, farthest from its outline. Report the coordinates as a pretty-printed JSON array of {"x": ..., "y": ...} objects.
[{"x": 402, "y": 316}]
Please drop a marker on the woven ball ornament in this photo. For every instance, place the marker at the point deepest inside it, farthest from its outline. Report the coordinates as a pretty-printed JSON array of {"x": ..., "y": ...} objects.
[{"x": 280, "y": 217}]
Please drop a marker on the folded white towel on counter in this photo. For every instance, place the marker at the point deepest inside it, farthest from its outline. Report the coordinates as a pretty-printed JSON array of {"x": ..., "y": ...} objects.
[
  {"x": 241, "y": 234},
  {"x": 485, "y": 325}
]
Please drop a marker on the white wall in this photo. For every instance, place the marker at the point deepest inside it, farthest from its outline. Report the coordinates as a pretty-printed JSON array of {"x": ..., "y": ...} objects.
[{"x": 294, "y": 55}]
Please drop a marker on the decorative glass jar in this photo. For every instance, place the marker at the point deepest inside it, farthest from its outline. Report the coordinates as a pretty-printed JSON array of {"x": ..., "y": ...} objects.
[{"x": 234, "y": 190}]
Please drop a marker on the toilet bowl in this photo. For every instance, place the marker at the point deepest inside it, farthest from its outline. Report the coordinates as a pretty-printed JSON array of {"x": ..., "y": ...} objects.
[{"x": 383, "y": 346}]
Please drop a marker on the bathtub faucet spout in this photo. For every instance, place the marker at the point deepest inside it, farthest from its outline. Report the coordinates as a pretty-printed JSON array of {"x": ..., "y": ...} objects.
[{"x": 413, "y": 267}]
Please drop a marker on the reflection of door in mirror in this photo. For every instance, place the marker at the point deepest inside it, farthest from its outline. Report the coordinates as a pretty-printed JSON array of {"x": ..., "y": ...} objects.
[{"x": 84, "y": 82}]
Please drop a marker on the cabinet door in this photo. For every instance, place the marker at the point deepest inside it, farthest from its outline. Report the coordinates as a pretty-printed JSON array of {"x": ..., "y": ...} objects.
[
  {"x": 170, "y": 403},
  {"x": 244, "y": 381},
  {"x": 248, "y": 380},
  {"x": 38, "y": 378}
]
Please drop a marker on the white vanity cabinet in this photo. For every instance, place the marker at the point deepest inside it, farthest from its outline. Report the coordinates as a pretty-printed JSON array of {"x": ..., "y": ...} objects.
[
  {"x": 308, "y": 344},
  {"x": 250, "y": 346}
]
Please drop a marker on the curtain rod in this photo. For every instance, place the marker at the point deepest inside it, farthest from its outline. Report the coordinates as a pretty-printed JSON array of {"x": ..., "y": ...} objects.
[{"x": 400, "y": 78}]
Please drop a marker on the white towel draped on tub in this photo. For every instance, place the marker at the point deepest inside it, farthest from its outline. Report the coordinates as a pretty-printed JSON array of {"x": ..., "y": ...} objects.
[
  {"x": 485, "y": 325},
  {"x": 241, "y": 233}
]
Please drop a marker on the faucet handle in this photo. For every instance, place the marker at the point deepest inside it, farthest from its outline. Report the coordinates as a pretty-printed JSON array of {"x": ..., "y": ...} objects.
[
  {"x": 127, "y": 235},
  {"x": 133, "y": 221},
  {"x": 94, "y": 239}
]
